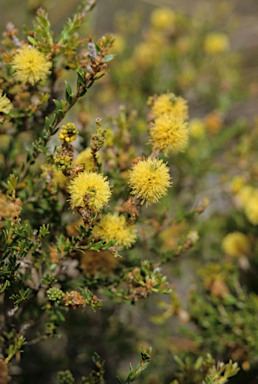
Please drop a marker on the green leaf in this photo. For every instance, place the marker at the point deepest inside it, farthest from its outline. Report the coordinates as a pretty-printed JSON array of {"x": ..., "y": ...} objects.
[
  {"x": 32, "y": 40},
  {"x": 43, "y": 149},
  {"x": 68, "y": 88},
  {"x": 57, "y": 103},
  {"x": 108, "y": 58},
  {"x": 47, "y": 123}
]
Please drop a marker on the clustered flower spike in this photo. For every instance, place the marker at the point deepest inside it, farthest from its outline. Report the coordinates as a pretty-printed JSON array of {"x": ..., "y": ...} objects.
[
  {"x": 149, "y": 179},
  {"x": 170, "y": 129},
  {"x": 68, "y": 133},
  {"x": 31, "y": 65},
  {"x": 112, "y": 227},
  {"x": 5, "y": 105},
  {"x": 89, "y": 189}
]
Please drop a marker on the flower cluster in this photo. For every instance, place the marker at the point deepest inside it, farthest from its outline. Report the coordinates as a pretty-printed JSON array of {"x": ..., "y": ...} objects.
[
  {"x": 31, "y": 65},
  {"x": 236, "y": 244},
  {"x": 89, "y": 189},
  {"x": 150, "y": 179},
  {"x": 114, "y": 227},
  {"x": 169, "y": 130},
  {"x": 5, "y": 105},
  {"x": 68, "y": 133}
]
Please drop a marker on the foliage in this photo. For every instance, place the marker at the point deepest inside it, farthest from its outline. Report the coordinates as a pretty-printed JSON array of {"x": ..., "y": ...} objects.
[{"x": 92, "y": 216}]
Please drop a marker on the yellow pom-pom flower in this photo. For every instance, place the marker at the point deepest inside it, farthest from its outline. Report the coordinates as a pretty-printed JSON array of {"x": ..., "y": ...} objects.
[
  {"x": 235, "y": 244},
  {"x": 91, "y": 187},
  {"x": 251, "y": 209},
  {"x": 31, "y": 65},
  {"x": 50, "y": 173},
  {"x": 215, "y": 43},
  {"x": 245, "y": 194},
  {"x": 150, "y": 180},
  {"x": 5, "y": 105},
  {"x": 169, "y": 133},
  {"x": 170, "y": 104},
  {"x": 112, "y": 227},
  {"x": 162, "y": 18},
  {"x": 85, "y": 157},
  {"x": 237, "y": 183},
  {"x": 196, "y": 128}
]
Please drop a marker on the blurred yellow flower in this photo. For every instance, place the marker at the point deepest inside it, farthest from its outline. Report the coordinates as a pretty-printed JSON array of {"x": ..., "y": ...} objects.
[
  {"x": 213, "y": 122},
  {"x": 235, "y": 244},
  {"x": 162, "y": 18},
  {"x": 85, "y": 157},
  {"x": 50, "y": 173},
  {"x": 5, "y": 105},
  {"x": 216, "y": 42},
  {"x": 251, "y": 209},
  {"x": 112, "y": 227},
  {"x": 150, "y": 179},
  {"x": 196, "y": 128},
  {"x": 119, "y": 44},
  {"x": 89, "y": 189},
  {"x": 245, "y": 193},
  {"x": 31, "y": 65},
  {"x": 237, "y": 183}
]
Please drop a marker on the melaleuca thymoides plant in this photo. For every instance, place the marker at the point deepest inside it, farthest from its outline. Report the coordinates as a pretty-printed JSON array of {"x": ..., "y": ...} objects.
[{"x": 45, "y": 268}]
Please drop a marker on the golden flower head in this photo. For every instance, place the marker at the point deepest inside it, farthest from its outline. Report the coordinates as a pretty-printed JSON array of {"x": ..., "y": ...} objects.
[
  {"x": 93, "y": 187},
  {"x": 245, "y": 194},
  {"x": 169, "y": 133},
  {"x": 216, "y": 42},
  {"x": 5, "y": 105},
  {"x": 51, "y": 174},
  {"x": 31, "y": 65},
  {"x": 235, "y": 244},
  {"x": 196, "y": 128},
  {"x": 112, "y": 227},
  {"x": 169, "y": 103},
  {"x": 162, "y": 18},
  {"x": 85, "y": 157},
  {"x": 251, "y": 209},
  {"x": 237, "y": 183},
  {"x": 150, "y": 180}
]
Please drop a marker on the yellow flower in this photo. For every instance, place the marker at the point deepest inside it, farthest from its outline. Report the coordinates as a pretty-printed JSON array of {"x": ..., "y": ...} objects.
[
  {"x": 245, "y": 194},
  {"x": 31, "y": 65},
  {"x": 145, "y": 55},
  {"x": 235, "y": 244},
  {"x": 119, "y": 44},
  {"x": 112, "y": 227},
  {"x": 5, "y": 105},
  {"x": 150, "y": 180},
  {"x": 196, "y": 128},
  {"x": 169, "y": 133},
  {"x": 251, "y": 209},
  {"x": 162, "y": 18},
  {"x": 213, "y": 122},
  {"x": 91, "y": 187},
  {"x": 50, "y": 173},
  {"x": 85, "y": 157},
  {"x": 216, "y": 42},
  {"x": 171, "y": 104},
  {"x": 237, "y": 183}
]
